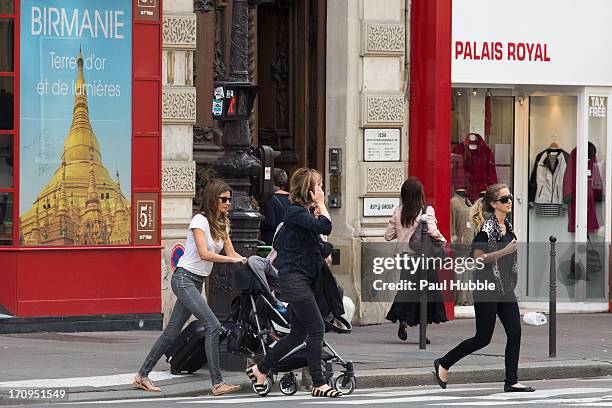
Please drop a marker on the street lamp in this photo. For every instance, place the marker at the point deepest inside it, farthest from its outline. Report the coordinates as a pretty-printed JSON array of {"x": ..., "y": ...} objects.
[{"x": 241, "y": 162}]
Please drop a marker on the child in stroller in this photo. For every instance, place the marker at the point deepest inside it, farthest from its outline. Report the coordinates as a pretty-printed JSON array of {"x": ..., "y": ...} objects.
[{"x": 261, "y": 319}]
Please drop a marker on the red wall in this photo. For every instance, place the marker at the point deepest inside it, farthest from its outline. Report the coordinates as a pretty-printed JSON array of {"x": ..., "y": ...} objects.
[
  {"x": 430, "y": 106},
  {"x": 102, "y": 280}
]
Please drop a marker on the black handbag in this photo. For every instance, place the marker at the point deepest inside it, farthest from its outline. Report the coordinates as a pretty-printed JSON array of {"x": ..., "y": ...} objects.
[
  {"x": 434, "y": 248},
  {"x": 593, "y": 263},
  {"x": 237, "y": 338}
]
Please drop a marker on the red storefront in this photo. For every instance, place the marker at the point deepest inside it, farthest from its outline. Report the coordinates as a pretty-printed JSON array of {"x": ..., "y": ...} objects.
[
  {"x": 480, "y": 72},
  {"x": 74, "y": 240}
]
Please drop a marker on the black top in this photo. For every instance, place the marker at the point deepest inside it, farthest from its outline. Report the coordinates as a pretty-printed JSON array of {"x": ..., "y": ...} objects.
[
  {"x": 274, "y": 212},
  {"x": 297, "y": 243},
  {"x": 481, "y": 242}
]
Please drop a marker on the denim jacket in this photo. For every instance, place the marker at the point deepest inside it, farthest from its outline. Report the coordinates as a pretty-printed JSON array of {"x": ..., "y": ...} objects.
[{"x": 297, "y": 242}]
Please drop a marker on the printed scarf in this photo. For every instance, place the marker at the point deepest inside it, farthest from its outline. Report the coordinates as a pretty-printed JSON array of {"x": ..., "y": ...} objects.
[{"x": 503, "y": 283}]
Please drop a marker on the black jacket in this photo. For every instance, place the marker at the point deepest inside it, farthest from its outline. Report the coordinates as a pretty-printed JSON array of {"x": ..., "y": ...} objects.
[
  {"x": 328, "y": 293},
  {"x": 297, "y": 243}
]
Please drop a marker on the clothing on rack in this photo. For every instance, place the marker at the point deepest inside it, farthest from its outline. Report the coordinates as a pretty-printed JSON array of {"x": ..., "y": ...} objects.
[
  {"x": 474, "y": 167},
  {"x": 594, "y": 190},
  {"x": 462, "y": 235},
  {"x": 546, "y": 182}
]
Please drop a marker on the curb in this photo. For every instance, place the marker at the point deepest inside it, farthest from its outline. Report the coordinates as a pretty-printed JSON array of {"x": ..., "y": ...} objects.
[{"x": 198, "y": 385}]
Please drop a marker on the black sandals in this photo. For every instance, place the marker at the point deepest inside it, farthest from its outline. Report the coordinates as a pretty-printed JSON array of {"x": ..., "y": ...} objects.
[
  {"x": 329, "y": 393},
  {"x": 260, "y": 389}
]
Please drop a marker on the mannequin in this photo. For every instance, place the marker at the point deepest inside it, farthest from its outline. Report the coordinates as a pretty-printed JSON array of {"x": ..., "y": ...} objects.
[{"x": 462, "y": 234}]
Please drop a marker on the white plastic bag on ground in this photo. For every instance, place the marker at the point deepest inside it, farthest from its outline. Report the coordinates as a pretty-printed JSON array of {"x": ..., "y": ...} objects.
[{"x": 534, "y": 318}]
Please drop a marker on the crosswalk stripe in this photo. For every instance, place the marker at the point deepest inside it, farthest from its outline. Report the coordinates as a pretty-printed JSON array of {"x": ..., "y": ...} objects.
[
  {"x": 424, "y": 398},
  {"x": 305, "y": 396},
  {"x": 542, "y": 393},
  {"x": 99, "y": 381}
]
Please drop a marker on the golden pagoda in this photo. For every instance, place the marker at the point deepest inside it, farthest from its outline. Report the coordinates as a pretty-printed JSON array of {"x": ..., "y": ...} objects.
[{"x": 81, "y": 205}]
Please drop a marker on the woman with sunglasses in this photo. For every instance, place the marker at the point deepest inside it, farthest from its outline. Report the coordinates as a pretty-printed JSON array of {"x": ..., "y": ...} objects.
[
  {"x": 495, "y": 246},
  {"x": 208, "y": 235}
]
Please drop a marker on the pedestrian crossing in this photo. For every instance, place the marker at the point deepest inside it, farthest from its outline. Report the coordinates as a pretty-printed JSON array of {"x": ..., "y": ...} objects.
[
  {"x": 478, "y": 395},
  {"x": 96, "y": 382}
]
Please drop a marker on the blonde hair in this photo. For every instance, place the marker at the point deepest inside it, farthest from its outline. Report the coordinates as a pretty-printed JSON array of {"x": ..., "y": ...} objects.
[
  {"x": 218, "y": 222},
  {"x": 303, "y": 181},
  {"x": 483, "y": 205}
]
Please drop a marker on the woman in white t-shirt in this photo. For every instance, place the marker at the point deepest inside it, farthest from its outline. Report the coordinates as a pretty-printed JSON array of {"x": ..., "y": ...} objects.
[{"x": 208, "y": 235}]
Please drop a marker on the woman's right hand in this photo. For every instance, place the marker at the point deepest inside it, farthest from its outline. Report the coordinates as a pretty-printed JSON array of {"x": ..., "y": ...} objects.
[
  {"x": 318, "y": 197},
  {"x": 240, "y": 259}
]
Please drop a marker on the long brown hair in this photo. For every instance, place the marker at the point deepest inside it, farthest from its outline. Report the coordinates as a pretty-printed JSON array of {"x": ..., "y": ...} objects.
[
  {"x": 413, "y": 200},
  {"x": 218, "y": 222},
  {"x": 303, "y": 181},
  {"x": 483, "y": 205}
]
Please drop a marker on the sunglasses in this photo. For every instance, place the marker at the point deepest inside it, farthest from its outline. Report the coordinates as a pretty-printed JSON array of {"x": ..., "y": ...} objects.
[
  {"x": 505, "y": 199},
  {"x": 225, "y": 200}
]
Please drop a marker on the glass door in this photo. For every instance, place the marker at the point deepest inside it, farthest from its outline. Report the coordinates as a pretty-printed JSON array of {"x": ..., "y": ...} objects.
[
  {"x": 551, "y": 192},
  {"x": 594, "y": 257}
]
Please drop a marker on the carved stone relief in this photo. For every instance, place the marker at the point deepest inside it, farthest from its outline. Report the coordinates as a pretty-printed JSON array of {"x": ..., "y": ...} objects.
[
  {"x": 382, "y": 109},
  {"x": 179, "y": 177},
  {"x": 179, "y": 31},
  {"x": 383, "y": 39},
  {"x": 387, "y": 178},
  {"x": 178, "y": 105}
]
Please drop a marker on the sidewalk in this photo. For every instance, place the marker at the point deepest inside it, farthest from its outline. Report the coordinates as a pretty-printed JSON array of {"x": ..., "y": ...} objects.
[{"x": 99, "y": 366}]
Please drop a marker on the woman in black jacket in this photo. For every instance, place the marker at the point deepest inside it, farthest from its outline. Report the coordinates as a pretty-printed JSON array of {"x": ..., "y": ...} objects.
[
  {"x": 495, "y": 246},
  {"x": 299, "y": 260}
]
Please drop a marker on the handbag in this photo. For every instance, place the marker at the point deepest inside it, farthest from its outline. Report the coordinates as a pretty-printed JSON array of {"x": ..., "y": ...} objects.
[
  {"x": 593, "y": 263},
  {"x": 237, "y": 338},
  {"x": 433, "y": 247}
]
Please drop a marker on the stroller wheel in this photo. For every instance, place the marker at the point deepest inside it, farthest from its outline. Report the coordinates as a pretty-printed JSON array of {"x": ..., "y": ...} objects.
[
  {"x": 288, "y": 384},
  {"x": 346, "y": 385}
]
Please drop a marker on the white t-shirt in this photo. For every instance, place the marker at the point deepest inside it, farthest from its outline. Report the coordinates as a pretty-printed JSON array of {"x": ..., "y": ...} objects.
[{"x": 191, "y": 260}]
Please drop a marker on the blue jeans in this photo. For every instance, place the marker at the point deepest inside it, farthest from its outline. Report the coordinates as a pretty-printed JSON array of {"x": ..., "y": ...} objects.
[{"x": 189, "y": 301}]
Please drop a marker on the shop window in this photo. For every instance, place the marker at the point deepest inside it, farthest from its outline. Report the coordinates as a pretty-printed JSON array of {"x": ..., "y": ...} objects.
[
  {"x": 7, "y": 44},
  {"x": 594, "y": 259},
  {"x": 552, "y": 191},
  {"x": 6, "y": 161},
  {"x": 7, "y": 96},
  {"x": 482, "y": 146},
  {"x": 6, "y": 6},
  {"x": 6, "y": 219}
]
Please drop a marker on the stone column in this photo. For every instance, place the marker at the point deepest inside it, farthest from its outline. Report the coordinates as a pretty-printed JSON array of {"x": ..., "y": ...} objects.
[
  {"x": 366, "y": 88},
  {"x": 178, "y": 118}
]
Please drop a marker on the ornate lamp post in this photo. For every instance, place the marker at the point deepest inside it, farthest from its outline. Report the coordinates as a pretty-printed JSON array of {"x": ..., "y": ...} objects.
[{"x": 237, "y": 165}]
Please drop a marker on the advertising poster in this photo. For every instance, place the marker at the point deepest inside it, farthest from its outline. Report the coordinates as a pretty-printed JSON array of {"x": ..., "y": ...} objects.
[{"x": 76, "y": 126}]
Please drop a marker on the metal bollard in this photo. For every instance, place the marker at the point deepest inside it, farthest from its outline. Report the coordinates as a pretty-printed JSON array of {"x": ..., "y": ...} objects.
[
  {"x": 552, "y": 300},
  {"x": 423, "y": 293}
]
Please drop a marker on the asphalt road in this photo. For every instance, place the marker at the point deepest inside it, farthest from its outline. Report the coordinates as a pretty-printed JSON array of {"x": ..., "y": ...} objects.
[{"x": 550, "y": 393}]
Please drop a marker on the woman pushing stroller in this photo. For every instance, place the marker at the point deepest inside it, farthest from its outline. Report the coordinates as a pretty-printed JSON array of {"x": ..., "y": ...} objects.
[{"x": 299, "y": 260}]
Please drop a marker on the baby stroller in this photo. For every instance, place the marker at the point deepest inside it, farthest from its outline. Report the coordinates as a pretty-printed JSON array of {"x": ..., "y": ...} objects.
[{"x": 266, "y": 319}]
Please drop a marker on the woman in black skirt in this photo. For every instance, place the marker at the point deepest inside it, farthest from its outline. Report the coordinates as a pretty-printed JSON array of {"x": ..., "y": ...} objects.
[{"x": 402, "y": 225}]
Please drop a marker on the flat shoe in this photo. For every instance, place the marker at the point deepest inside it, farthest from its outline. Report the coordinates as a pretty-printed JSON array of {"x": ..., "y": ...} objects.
[
  {"x": 145, "y": 384},
  {"x": 402, "y": 332},
  {"x": 329, "y": 393},
  {"x": 441, "y": 383},
  {"x": 509, "y": 388},
  {"x": 260, "y": 389},
  {"x": 223, "y": 388}
]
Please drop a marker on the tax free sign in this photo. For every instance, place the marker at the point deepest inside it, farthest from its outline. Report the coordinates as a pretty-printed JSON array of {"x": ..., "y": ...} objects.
[{"x": 539, "y": 42}]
